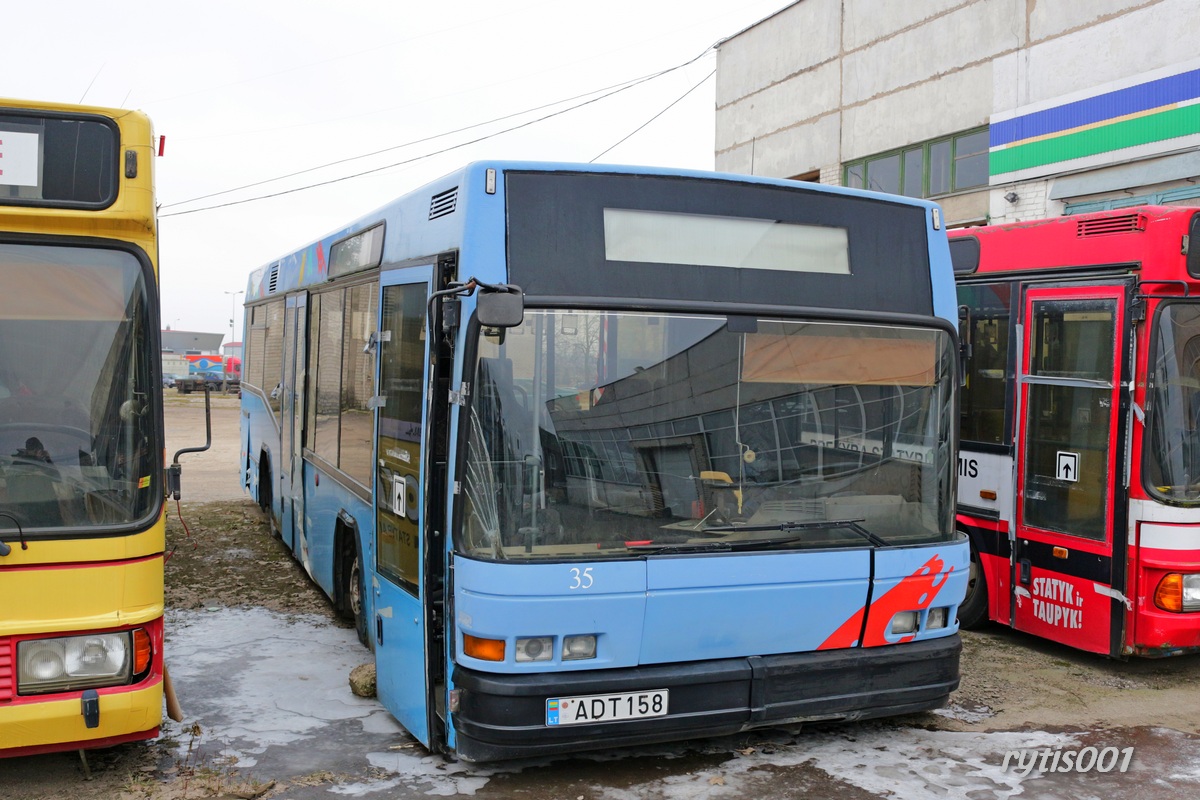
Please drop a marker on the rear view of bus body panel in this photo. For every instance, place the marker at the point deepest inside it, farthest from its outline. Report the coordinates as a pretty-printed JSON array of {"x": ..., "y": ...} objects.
[{"x": 729, "y": 642}]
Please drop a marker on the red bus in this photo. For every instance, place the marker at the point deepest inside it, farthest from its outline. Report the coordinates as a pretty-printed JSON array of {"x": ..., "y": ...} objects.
[{"x": 1079, "y": 467}]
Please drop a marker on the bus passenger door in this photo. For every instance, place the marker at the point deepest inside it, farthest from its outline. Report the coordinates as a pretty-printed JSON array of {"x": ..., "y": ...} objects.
[
  {"x": 291, "y": 425},
  {"x": 400, "y": 474},
  {"x": 1068, "y": 554}
]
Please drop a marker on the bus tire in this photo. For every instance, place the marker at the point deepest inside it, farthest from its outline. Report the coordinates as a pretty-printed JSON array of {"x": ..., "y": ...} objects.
[
  {"x": 350, "y": 602},
  {"x": 265, "y": 501},
  {"x": 973, "y": 612},
  {"x": 358, "y": 597}
]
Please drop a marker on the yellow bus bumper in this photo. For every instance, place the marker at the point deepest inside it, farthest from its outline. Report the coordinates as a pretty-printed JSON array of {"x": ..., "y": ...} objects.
[{"x": 125, "y": 716}]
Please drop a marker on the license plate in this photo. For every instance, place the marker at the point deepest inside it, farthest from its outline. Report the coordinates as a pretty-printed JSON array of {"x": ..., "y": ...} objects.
[{"x": 606, "y": 707}]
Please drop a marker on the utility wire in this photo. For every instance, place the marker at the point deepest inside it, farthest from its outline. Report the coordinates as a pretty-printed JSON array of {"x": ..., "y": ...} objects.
[
  {"x": 609, "y": 92},
  {"x": 656, "y": 116},
  {"x": 618, "y": 86},
  {"x": 92, "y": 81}
]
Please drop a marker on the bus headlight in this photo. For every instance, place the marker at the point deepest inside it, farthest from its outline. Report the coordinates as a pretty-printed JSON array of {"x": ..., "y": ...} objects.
[
  {"x": 1177, "y": 592},
  {"x": 937, "y": 618},
  {"x": 577, "y": 648},
  {"x": 904, "y": 622},
  {"x": 73, "y": 662},
  {"x": 540, "y": 648}
]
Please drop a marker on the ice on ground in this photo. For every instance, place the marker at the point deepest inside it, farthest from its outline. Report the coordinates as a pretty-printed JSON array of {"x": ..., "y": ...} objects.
[{"x": 228, "y": 667}]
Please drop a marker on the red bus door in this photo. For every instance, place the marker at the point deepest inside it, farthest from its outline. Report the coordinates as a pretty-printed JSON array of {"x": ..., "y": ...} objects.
[{"x": 1068, "y": 556}]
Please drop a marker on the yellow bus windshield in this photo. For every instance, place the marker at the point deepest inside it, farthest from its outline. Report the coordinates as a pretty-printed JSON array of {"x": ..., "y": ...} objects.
[{"x": 77, "y": 444}]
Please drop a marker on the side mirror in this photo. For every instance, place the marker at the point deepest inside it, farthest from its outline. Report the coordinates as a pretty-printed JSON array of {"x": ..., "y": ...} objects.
[
  {"x": 501, "y": 309},
  {"x": 964, "y": 342}
]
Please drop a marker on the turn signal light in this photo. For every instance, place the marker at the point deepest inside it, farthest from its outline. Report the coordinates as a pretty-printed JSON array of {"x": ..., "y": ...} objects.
[
  {"x": 483, "y": 649},
  {"x": 1169, "y": 594},
  {"x": 1177, "y": 592},
  {"x": 141, "y": 651}
]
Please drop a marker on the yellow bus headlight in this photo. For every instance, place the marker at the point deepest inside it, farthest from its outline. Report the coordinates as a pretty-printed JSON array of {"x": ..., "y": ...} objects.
[{"x": 73, "y": 662}]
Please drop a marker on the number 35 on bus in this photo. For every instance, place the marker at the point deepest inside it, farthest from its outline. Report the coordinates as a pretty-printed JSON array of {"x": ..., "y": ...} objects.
[{"x": 600, "y": 456}]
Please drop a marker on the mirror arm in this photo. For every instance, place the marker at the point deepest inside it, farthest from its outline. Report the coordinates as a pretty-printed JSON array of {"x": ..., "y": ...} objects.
[{"x": 964, "y": 342}]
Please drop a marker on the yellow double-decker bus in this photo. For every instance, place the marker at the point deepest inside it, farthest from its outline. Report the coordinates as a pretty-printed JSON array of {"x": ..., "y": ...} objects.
[{"x": 81, "y": 433}]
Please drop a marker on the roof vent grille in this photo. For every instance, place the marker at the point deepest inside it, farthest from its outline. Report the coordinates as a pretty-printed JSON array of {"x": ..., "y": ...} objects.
[
  {"x": 1104, "y": 226},
  {"x": 273, "y": 279},
  {"x": 443, "y": 203}
]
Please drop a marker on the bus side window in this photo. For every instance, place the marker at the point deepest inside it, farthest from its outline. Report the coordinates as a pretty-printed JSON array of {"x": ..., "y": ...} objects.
[{"x": 985, "y": 388}]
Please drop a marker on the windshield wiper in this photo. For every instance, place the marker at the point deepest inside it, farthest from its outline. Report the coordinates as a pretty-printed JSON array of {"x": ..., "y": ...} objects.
[
  {"x": 809, "y": 525},
  {"x": 677, "y": 547},
  {"x": 729, "y": 545}
]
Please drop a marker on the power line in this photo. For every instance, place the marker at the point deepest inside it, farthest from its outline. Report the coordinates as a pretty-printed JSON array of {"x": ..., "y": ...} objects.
[
  {"x": 618, "y": 86},
  {"x": 656, "y": 116},
  {"x": 609, "y": 92}
]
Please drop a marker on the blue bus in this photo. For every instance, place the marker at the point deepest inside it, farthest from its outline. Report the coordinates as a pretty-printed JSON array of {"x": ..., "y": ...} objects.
[{"x": 600, "y": 456}]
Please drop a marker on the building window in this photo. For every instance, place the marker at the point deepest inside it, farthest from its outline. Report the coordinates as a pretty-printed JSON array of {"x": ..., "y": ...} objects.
[
  {"x": 930, "y": 169},
  {"x": 971, "y": 160}
]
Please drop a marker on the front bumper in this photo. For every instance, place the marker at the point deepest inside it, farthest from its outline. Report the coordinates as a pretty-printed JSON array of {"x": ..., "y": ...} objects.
[
  {"x": 504, "y": 716},
  {"x": 38, "y": 726}
]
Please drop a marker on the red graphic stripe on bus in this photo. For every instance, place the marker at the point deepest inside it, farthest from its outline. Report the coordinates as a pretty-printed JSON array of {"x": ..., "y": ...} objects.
[{"x": 914, "y": 593}]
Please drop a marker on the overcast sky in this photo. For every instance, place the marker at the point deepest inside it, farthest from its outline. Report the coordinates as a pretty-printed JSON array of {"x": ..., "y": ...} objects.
[{"x": 246, "y": 92}]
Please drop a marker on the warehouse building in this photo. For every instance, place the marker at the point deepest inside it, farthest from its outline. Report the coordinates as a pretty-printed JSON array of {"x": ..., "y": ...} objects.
[{"x": 999, "y": 110}]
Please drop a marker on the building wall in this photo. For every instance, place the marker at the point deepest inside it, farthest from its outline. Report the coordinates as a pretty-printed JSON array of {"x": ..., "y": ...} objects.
[
  {"x": 825, "y": 82},
  {"x": 190, "y": 341}
]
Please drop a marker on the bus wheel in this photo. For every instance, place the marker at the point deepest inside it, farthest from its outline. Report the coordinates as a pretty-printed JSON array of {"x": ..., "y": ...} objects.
[
  {"x": 264, "y": 495},
  {"x": 974, "y": 609},
  {"x": 352, "y": 604}
]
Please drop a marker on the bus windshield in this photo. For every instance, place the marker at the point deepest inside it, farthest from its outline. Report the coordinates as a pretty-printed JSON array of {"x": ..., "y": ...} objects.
[
  {"x": 597, "y": 434},
  {"x": 1173, "y": 405},
  {"x": 77, "y": 441}
]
